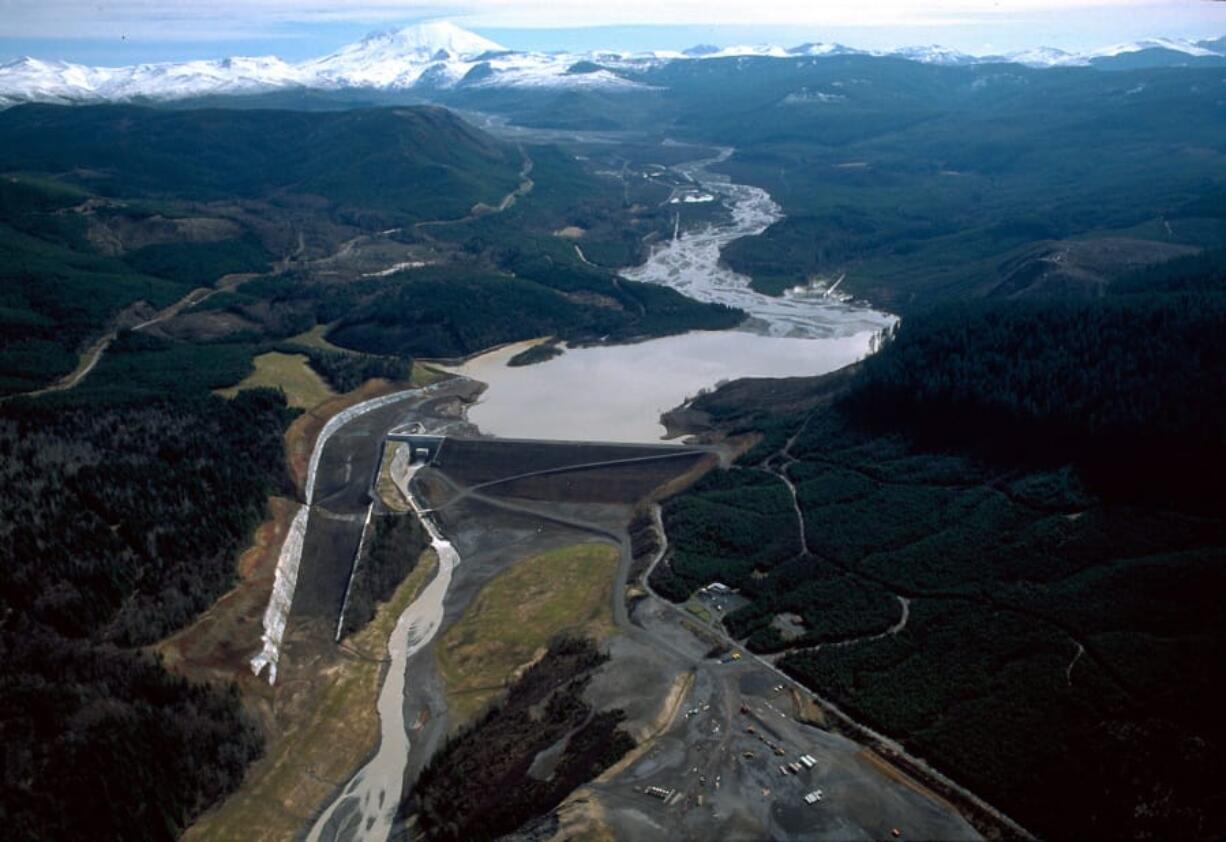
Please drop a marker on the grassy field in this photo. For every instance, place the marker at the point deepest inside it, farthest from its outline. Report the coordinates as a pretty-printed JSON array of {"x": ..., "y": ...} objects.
[
  {"x": 385, "y": 486},
  {"x": 512, "y": 619},
  {"x": 699, "y": 611},
  {"x": 291, "y": 373},
  {"x": 314, "y": 338},
  {"x": 424, "y": 375},
  {"x": 334, "y": 724}
]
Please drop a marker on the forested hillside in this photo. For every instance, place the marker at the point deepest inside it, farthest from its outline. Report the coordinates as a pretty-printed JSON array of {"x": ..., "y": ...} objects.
[
  {"x": 109, "y": 214},
  {"x": 123, "y": 518},
  {"x": 390, "y": 226},
  {"x": 1014, "y": 539},
  {"x": 406, "y": 163},
  {"x": 59, "y": 289},
  {"x": 1129, "y": 389},
  {"x": 479, "y": 785},
  {"x": 930, "y": 183}
]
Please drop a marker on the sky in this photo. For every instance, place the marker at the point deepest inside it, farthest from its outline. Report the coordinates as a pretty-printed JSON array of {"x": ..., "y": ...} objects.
[{"x": 116, "y": 32}]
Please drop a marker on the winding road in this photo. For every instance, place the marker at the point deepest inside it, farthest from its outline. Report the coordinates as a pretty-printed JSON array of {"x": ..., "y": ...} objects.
[
  {"x": 885, "y": 745},
  {"x": 94, "y": 353}
]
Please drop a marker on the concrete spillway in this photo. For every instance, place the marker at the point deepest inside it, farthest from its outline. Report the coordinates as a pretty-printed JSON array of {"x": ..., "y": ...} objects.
[{"x": 276, "y": 615}]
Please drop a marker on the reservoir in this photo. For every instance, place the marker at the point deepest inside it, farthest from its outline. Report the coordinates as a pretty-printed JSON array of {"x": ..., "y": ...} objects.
[{"x": 618, "y": 392}]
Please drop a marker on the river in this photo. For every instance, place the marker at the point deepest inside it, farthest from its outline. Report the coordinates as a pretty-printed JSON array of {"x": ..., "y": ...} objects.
[{"x": 367, "y": 806}]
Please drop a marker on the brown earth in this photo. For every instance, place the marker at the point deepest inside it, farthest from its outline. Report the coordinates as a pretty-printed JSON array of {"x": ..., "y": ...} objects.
[
  {"x": 216, "y": 646},
  {"x": 321, "y": 724}
]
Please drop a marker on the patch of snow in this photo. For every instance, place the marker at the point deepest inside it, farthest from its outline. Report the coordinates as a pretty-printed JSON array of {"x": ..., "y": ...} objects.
[
  {"x": 692, "y": 199},
  {"x": 393, "y": 269},
  {"x": 805, "y": 96},
  {"x": 1046, "y": 57}
]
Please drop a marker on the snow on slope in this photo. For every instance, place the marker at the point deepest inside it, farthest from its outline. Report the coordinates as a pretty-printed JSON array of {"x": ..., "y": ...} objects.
[
  {"x": 398, "y": 59},
  {"x": 933, "y": 54},
  {"x": 1051, "y": 57},
  {"x": 441, "y": 55},
  {"x": 1178, "y": 45},
  {"x": 1047, "y": 57},
  {"x": 29, "y": 79}
]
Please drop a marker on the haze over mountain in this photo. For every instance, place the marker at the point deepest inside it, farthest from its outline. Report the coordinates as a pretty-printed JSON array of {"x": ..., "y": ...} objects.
[{"x": 442, "y": 56}]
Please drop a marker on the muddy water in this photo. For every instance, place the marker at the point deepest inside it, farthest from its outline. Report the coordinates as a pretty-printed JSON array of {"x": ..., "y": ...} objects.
[
  {"x": 690, "y": 264},
  {"x": 617, "y": 393},
  {"x": 367, "y": 806}
]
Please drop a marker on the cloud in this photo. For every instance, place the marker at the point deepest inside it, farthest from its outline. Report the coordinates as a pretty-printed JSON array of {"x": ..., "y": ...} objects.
[{"x": 217, "y": 19}]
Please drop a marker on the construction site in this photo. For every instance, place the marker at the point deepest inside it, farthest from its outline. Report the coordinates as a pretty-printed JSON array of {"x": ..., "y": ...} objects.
[{"x": 724, "y": 744}]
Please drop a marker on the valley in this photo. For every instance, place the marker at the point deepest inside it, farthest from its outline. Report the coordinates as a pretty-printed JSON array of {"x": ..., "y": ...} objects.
[
  {"x": 440, "y": 441},
  {"x": 497, "y": 512},
  {"x": 618, "y": 392}
]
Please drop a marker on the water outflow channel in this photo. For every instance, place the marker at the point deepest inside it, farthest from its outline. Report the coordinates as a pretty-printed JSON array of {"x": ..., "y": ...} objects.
[{"x": 367, "y": 806}]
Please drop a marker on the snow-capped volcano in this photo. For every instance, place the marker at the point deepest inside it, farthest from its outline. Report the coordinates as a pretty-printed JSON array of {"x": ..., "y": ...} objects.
[
  {"x": 441, "y": 56},
  {"x": 429, "y": 40},
  {"x": 399, "y": 58}
]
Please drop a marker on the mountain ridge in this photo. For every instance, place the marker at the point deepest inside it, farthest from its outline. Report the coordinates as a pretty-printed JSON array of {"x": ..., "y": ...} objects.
[{"x": 441, "y": 55}]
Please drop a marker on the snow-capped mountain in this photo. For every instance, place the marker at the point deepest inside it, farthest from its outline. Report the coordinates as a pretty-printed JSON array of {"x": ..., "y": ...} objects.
[
  {"x": 824, "y": 49},
  {"x": 933, "y": 54},
  {"x": 441, "y": 56},
  {"x": 1051, "y": 57},
  {"x": 399, "y": 58},
  {"x": 1177, "y": 45},
  {"x": 33, "y": 80},
  {"x": 1046, "y": 57}
]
